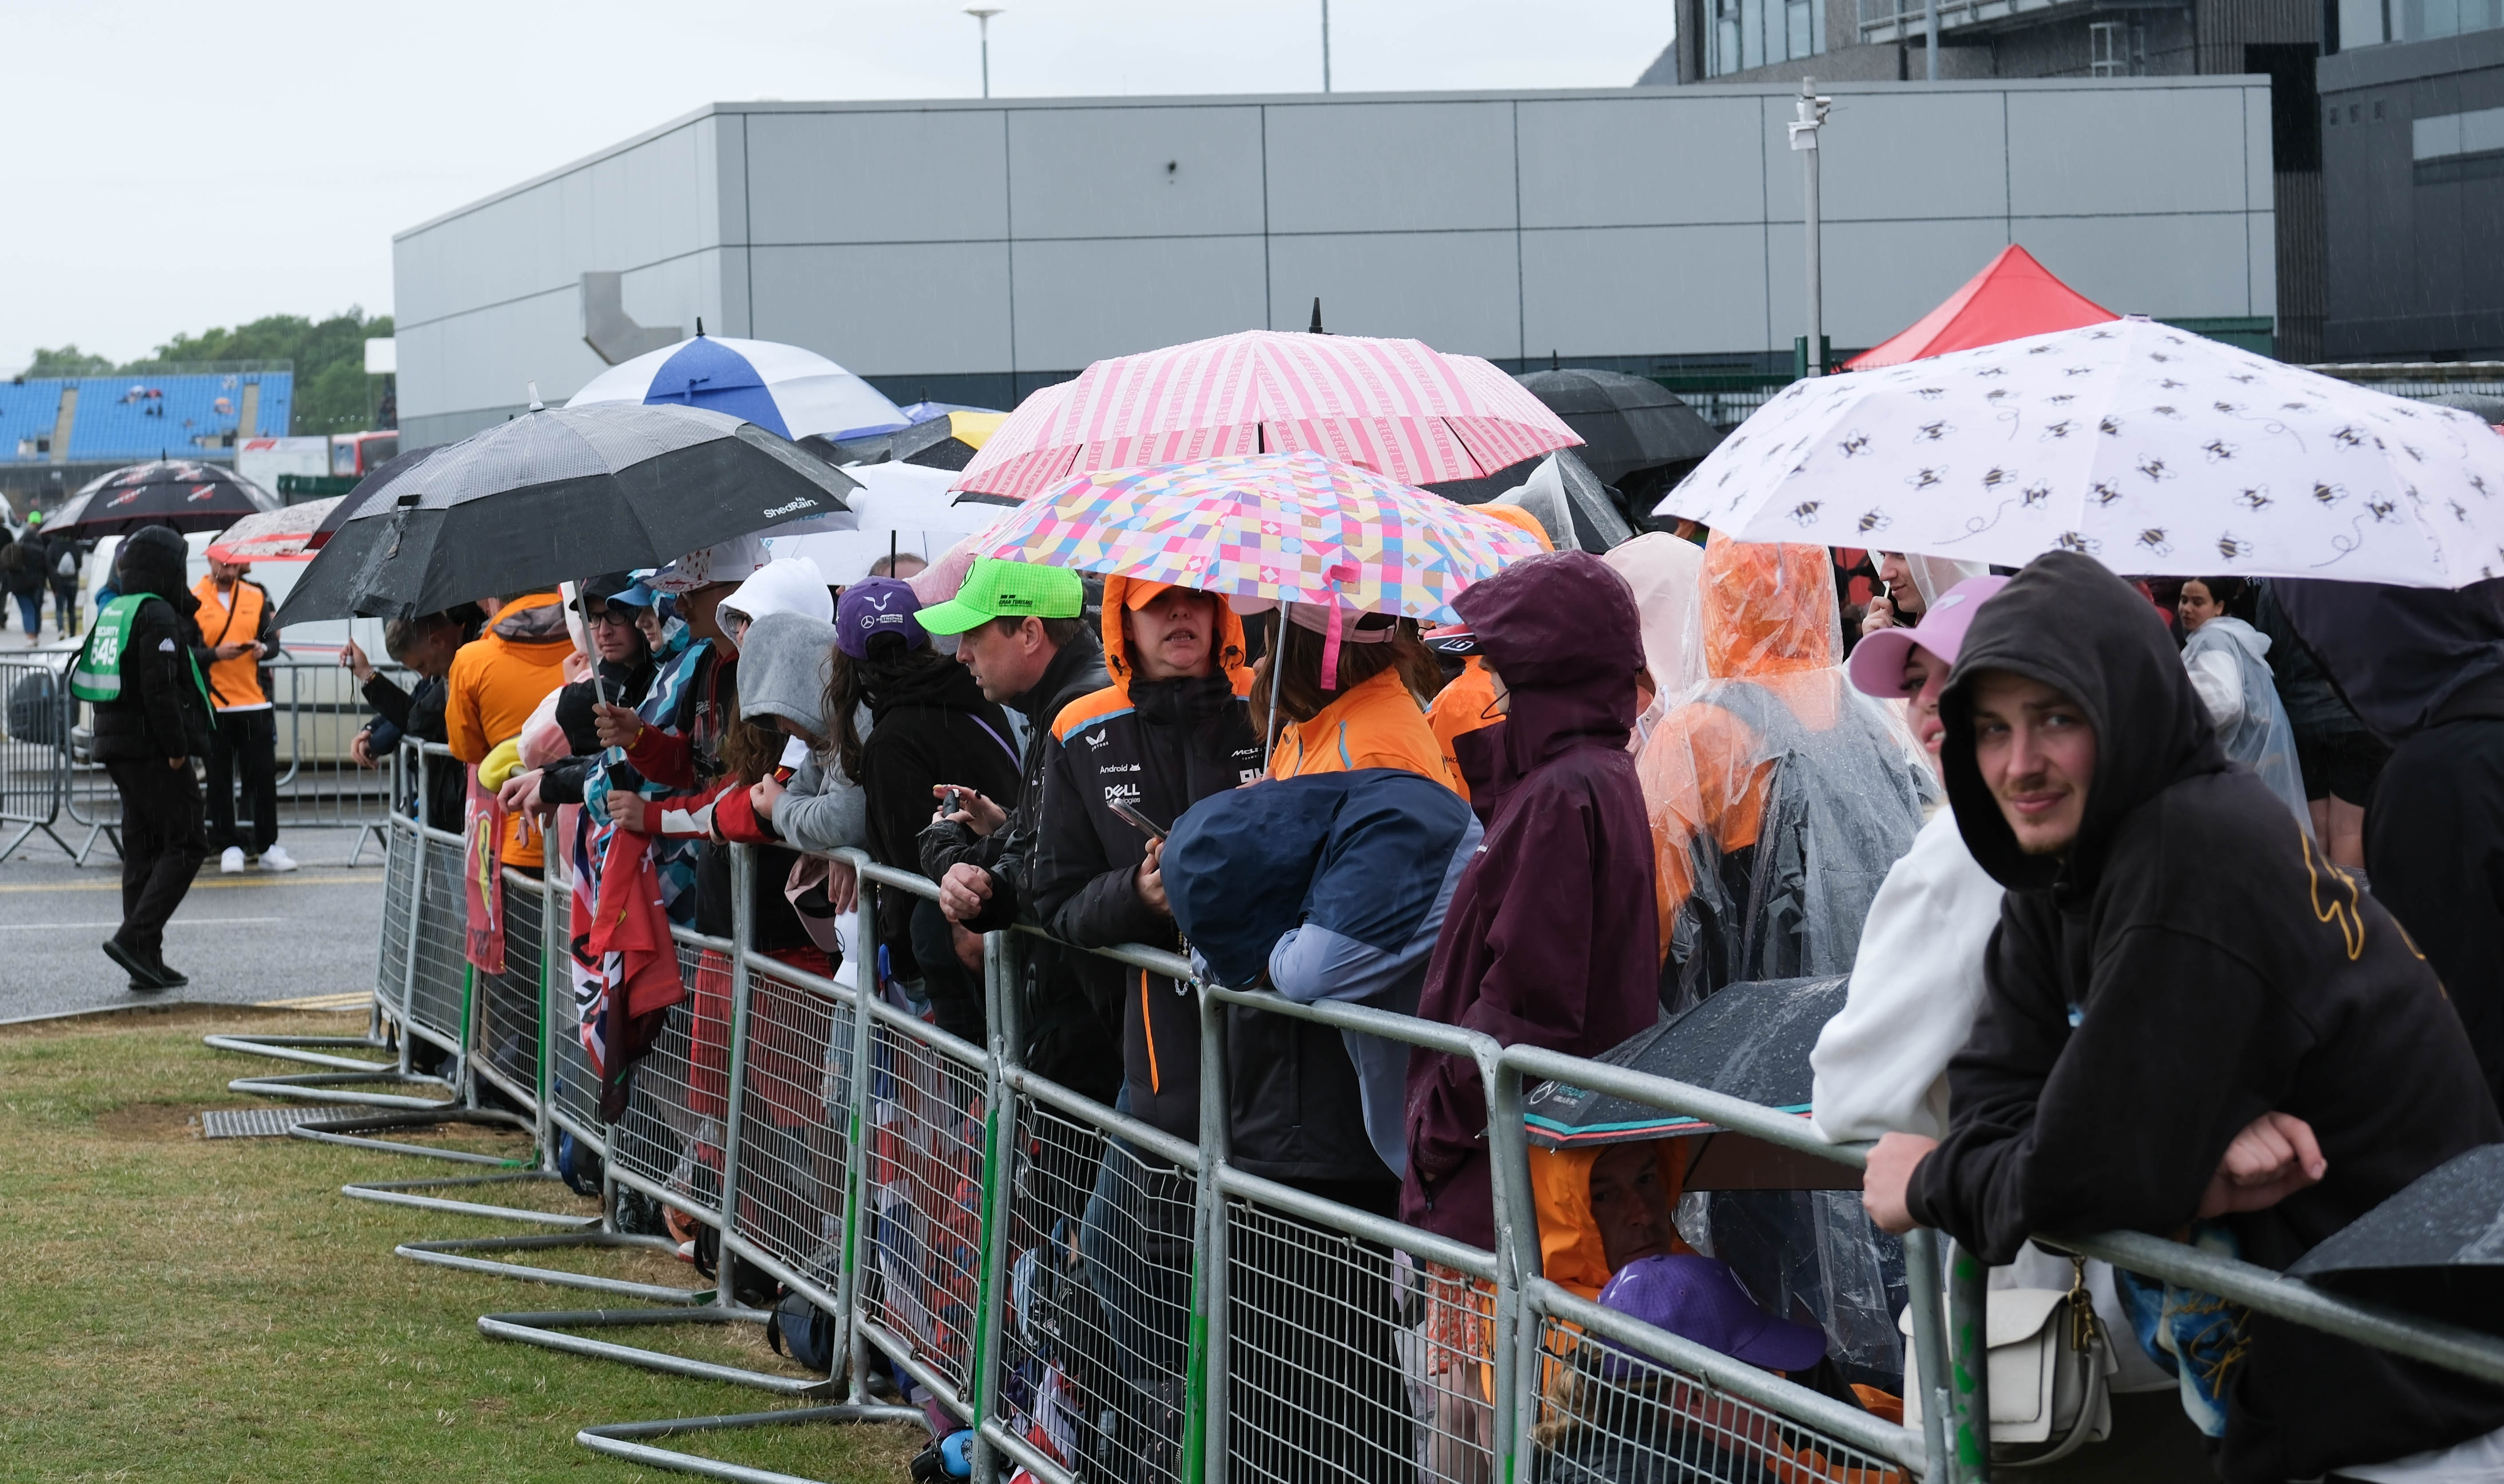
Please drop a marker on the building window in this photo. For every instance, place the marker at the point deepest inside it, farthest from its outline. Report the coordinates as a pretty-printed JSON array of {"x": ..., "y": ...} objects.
[
  {"x": 1745, "y": 34},
  {"x": 2457, "y": 146},
  {"x": 2370, "y": 22},
  {"x": 2117, "y": 49}
]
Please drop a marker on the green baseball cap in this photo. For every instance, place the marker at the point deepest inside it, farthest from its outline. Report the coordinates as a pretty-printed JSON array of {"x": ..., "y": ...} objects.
[{"x": 995, "y": 589}]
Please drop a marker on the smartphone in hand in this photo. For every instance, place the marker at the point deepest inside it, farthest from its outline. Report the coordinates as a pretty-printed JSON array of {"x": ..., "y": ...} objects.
[{"x": 1130, "y": 814}]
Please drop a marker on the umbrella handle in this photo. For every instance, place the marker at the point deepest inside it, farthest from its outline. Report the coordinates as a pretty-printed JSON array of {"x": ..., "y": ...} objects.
[{"x": 590, "y": 648}]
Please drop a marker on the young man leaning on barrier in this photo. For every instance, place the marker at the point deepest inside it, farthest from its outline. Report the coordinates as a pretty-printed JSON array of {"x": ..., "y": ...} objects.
[{"x": 2175, "y": 960}]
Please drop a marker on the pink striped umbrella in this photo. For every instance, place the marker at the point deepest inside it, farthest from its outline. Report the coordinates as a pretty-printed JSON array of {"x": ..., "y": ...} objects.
[{"x": 1398, "y": 407}]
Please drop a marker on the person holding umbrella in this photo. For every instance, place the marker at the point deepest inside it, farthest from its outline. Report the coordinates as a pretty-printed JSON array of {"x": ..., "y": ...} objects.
[
  {"x": 239, "y": 629},
  {"x": 151, "y": 719}
]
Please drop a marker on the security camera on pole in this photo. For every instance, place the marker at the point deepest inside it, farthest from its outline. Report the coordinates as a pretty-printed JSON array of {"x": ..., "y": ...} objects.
[{"x": 1804, "y": 131}]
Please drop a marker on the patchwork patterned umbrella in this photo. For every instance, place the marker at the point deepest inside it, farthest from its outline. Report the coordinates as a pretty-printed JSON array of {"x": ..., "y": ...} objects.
[
  {"x": 1296, "y": 528},
  {"x": 1399, "y": 407}
]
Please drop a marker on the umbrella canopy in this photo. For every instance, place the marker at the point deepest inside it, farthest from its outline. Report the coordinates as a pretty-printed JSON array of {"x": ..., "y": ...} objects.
[
  {"x": 925, "y": 409},
  {"x": 559, "y": 492},
  {"x": 283, "y": 535},
  {"x": 354, "y": 501},
  {"x": 1295, "y": 528},
  {"x": 901, "y": 509},
  {"x": 2487, "y": 409},
  {"x": 2158, "y": 451},
  {"x": 2436, "y": 1247},
  {"x": 2013, "y": 297},
  {"x": 780, "y": 387},
  {"x": 947, "y": 441},
  {"x": 1751, "y": 1041},
  {"x": 176, "y": 493},
  {"x": 1626, "y": 423},
  {"x": 1399, "y": 407}
]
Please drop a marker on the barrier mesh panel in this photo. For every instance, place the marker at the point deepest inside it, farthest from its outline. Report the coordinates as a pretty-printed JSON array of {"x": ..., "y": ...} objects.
[
  {"x": 924, "y": 1200},
  {"x": 792, "y": 1144},
  {"x": 1605, "y": 1413},
  {"x": 442, "y": 962},
  {"x": 508, "y": 1002},
  {"x": 1318, "y": 1389},
  {"x": 1101, "y": 1263},
  {"x": 672, "y": 1132},
  {"x": 399, "y": 897}
]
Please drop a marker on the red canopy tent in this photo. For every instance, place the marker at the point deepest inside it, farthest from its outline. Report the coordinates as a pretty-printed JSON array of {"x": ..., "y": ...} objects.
[{"x": 2014, "y": 297}]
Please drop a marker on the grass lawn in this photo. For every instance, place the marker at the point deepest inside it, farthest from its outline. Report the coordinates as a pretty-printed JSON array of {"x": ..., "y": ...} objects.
[{"x": 180, "y": 1309}]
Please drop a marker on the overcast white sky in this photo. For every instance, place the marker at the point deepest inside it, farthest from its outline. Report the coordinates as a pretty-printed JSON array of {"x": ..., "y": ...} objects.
[{"x": 178, "y": 166}]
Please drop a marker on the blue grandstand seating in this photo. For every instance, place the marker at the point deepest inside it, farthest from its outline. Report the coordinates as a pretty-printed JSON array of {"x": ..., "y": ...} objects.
[{"x": 184, "y": 419}]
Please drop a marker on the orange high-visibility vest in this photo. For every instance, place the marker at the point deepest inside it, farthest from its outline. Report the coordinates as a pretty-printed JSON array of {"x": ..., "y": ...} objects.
[{"x": 234, "y": 684}]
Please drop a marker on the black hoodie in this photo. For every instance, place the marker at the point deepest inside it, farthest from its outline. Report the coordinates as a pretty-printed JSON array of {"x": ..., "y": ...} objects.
[
  {"x": 928, "y": 725},
  {"x": 2425, "y": 670},
  {"x": 2190, "y": 964},
  {"x": 161, "y": 712}
]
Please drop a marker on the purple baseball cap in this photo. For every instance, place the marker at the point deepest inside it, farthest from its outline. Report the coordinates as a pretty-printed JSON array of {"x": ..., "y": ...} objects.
[
  {"x": 1699, "y": 1298},
  {"x": 876, "y": 606},
  {"x": 1877, "y": 664}
]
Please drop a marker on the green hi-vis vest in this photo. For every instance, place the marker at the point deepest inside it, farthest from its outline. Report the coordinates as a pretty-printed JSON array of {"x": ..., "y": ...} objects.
[{"x": 97, "y": 673}]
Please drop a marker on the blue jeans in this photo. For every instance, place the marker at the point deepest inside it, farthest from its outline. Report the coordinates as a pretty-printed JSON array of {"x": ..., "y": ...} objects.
[{"x": 30, "y": 607}]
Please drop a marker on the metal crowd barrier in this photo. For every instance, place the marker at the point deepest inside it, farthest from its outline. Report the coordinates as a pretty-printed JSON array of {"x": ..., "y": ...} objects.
[
  {"x": 318, "y": 709},
  {"x": 1094, "y": 1299}
]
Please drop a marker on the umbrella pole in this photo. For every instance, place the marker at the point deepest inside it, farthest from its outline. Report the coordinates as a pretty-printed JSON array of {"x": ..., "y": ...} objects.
[
  {"x": 590, "y": 645},
  {"x": 1277, "y": 670}
]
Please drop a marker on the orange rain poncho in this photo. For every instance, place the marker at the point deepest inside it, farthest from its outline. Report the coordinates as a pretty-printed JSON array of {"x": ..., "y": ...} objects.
[
  {"x": 1468, "y": 702},
  {"x": 1778, "y": 796}
]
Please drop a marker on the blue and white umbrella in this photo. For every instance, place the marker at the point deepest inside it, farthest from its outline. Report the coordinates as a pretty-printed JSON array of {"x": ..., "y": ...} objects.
[{"x": 792, "y": 392}]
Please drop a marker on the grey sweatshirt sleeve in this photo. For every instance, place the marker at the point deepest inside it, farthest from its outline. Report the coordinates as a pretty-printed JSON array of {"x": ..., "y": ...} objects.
[{"x": 821, "y": 810}]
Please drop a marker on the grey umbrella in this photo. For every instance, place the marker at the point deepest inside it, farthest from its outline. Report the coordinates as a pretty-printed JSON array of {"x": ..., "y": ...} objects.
[
  {"x": 559, "y": 492},
  {"x": 2437, "y": 1247},
  {"x": 2486, "y": 408},
  {"x": 1752, "y": 1041}
]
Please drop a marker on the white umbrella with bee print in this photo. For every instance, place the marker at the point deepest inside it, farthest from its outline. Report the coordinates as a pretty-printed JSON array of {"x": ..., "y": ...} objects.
[{"x": 2153, "y": 449}]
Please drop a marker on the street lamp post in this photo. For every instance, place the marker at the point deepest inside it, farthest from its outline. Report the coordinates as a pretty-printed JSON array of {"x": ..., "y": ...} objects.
[
  {"x": 1804, "y": 131},
  {"x": 983, "y": 15},
  {"x": 1326, "y": 46}
]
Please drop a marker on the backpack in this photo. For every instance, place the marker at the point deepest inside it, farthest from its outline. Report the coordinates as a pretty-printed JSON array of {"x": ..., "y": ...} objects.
[
  {"x": 66, "y": 565},
  {"x": 809, "y": 1331}
]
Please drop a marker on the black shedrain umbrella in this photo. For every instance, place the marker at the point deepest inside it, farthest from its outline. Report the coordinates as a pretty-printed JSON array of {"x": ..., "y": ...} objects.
[
  {"x": 2436, "y": 1248},
  {"x": 181, "y": 494},
  {"x": 1748, "y": 1041},
  {"x": 559, "y": 492},
  {"x": 1627, "y": 423},
  {"x": 355, "y": 499}
]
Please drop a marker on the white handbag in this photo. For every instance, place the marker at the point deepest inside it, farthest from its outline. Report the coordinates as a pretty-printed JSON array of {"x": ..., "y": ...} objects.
[{"x": 2050, "y": 1362}]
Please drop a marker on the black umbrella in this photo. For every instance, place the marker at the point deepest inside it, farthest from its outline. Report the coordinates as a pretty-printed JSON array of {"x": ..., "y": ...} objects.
[
  {"x": 355, "y": 499},
  {"x": 2437, "y": 1247},
  {"x": 181, "y": 494},
  {"x": 1627, "y": 423},
  {"x": 932, "y": 443},
  {"x": 1750, "y": 1041},
  {"x": 559, "y": 492}
]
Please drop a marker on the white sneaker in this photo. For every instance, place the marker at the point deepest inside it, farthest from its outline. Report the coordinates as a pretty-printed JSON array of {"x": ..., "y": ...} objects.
[
  {"x": 231, "y": 862},
  {"x": 277, "y": 859}
]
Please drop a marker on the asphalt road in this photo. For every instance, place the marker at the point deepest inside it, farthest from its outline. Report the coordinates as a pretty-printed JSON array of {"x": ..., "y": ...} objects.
[{"x": 249, "y": 939}]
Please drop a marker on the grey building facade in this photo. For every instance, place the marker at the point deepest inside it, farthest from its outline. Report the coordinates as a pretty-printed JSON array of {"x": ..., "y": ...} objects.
[
  {"x": 2412, "y": 155},
  {"x": 973, "y": 251},
  {"x": 1855, "y": 40}
]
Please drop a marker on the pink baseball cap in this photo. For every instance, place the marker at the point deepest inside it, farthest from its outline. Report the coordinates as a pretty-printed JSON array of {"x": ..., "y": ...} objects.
[{"x": 1877, "y": 664}]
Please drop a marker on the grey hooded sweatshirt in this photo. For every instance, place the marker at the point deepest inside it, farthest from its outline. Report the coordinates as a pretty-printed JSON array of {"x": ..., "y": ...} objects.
[{"x": 782, "y": 669}]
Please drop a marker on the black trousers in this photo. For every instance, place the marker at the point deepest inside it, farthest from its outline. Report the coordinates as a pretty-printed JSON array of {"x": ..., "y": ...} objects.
[
  {"x": 161, "y": 848},
  {"x": 244, "y": 742}
]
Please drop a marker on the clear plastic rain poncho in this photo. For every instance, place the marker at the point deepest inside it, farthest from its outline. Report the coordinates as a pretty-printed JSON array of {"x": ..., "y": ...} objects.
[
  {"x": 1778, "y": 801},
  {"x": 1667, "y": 575},
  {"x": 2251, "y": 724}
]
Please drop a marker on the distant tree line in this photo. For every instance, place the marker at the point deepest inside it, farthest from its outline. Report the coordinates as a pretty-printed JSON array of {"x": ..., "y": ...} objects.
[{"x": 331, "y": 395}]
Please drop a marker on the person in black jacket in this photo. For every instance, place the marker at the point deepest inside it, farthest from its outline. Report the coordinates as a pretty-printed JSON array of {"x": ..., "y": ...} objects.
[
  {"x": 21, "y": 576},
  {"x": 2175, "y": 959},
  {"x": 1171, "y": 729},
  {"x": 147, "y": 738},
  {"x": 929, "y": 726},
  {"x": 425, "y": 645},
  {"x": 62, "y": 555},
  {"x": 626, "y": 669},
  {"x": 1028, "y": 648}
]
